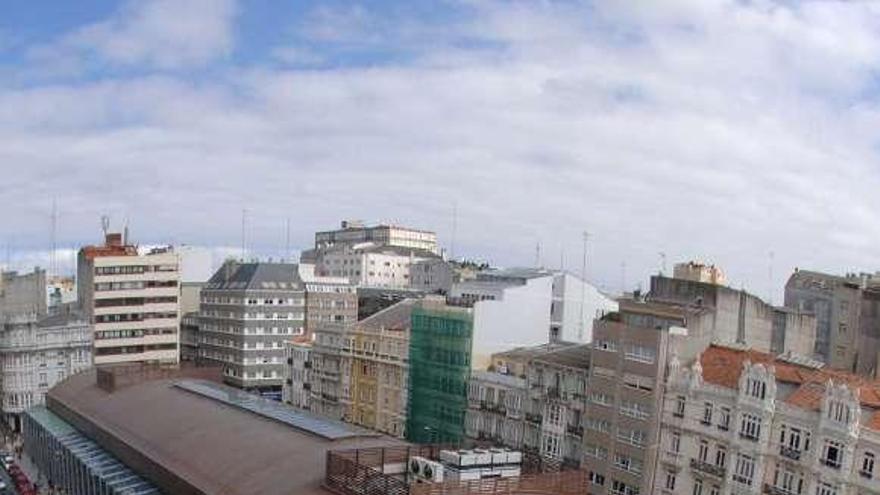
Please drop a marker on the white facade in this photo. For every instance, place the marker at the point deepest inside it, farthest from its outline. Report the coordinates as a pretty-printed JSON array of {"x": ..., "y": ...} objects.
[
  {"x": 35, "y": 356},
  {"x": 369, "y": 266},
  {"x": 355, "y": 232},
  {"x": 766, "y": 433},
  {"x": 133, "y": 303},
  {"x": 551, "y": 306}
]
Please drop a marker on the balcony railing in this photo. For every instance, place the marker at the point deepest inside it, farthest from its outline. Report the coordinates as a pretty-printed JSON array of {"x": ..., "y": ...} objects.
[
  {"x": 748, "y": 436},
  {"x": 710, "y": 469},
  {"x": 791, "y": 453},
  {"x": 577, "y": 431},
  {"x": 775, "y": 490}
]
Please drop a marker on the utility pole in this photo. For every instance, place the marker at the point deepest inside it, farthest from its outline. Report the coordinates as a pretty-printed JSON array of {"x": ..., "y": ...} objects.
[{"x": 583, "y": 286}]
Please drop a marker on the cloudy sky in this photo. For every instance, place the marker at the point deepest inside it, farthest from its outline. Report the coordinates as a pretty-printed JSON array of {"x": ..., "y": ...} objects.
[{"x": 710, "y": 129}]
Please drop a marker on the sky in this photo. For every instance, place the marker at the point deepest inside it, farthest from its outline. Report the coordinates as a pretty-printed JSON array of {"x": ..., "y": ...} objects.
[{"x": 741, "y": 133}]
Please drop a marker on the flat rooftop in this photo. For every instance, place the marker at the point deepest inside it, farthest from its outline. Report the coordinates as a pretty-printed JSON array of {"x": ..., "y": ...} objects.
[{"x": 185, "y": 442}]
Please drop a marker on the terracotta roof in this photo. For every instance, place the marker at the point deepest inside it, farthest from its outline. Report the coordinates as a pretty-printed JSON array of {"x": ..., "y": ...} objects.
[{"x": 723, "y": 365}]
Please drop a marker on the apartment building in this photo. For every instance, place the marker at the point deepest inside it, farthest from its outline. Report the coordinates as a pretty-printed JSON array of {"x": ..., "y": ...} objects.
[
  {"x": 330, "y": 373},
  {"x": 23, "y": 294},
  {"x": 37, "y": 354},
  {"x": 516, "y": 401},
  {"x": 131, "y": 299},
  {"x": 249, "y": 311},
  {"x": 739, "y": 421},
  {"x": 622, "y": 417}
]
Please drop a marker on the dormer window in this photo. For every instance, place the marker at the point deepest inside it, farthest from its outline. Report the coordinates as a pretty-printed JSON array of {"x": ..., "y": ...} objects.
[
  {"x": 757, "y": 388},
  {"x": 839, "y": 412}
]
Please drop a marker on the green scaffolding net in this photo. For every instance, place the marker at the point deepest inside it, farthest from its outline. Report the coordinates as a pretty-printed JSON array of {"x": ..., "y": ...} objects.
[{"x": 439, "y": 367}]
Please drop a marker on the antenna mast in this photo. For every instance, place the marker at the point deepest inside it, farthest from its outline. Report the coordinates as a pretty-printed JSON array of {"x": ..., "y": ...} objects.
[
  {"x": 53, "y": 263},
  {"x": 454, "y": 227},
  {"x": 287, "y": 239},
  {"x": 243, "y": 234},
  {"x": 583, "y": 287}
]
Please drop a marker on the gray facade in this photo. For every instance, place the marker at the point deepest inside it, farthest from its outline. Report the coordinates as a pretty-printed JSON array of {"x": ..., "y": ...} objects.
[
  {"x": 836, "y": 303},
  {"x": 248, "y": 312}
]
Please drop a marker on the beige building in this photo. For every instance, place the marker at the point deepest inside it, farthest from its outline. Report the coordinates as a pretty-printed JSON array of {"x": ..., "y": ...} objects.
[
  {"x": 738, "y": 421},
  {"x": 131, "y": 299},
  {"x": 699, "y": 272}
]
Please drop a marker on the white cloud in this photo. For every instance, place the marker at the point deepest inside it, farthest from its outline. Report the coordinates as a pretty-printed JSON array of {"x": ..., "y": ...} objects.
[
  {"x": 165, "y": 34},
  {"x": 720, "y": 130}
]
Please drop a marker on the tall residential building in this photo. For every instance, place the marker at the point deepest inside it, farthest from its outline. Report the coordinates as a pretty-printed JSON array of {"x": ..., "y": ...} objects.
[
  {"x": 738, "y": 421},
  {"x": 439, "y": 368},
  {"x": 131, "y": 298},
  {"x": 297, "y": 389},
  {"x": 37, "y": 354},
  {"x": 699, "y": 272},
  {"x": 249, "y": 311},
  {"x": 356, "y": 232},
  {"x": 622, "y": 414},
  {"x": 522, "y": 307},
  {"x": 847, "y": 309}
]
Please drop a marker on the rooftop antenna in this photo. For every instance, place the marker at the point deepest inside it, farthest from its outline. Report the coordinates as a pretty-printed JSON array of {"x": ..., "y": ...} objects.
[
  {"x": 287, "y": 239},
  {"x": 538, "y": 254},
  {"x": 53, "y": 263},
  {"x": 662, "y": 262},
  {"x": 125, "y": 233},
  {"x": 583, "y": 286},
  {"x": 623, "y": 277},
  {"x": 243, "y": 234},
  {"x": 105, "y": 224},
  {"x": 454, "y": 227},
  {"x": 561, "y": 259}
]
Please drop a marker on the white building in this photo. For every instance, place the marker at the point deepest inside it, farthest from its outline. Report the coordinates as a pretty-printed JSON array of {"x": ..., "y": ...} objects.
[
  {"x": 35, "y": 355},
  {"x": 132, "y": 301},
  {"x": 354, "y": 232},
  {"x": 745, "y": 422},
  {"x": 525, "y": 307},
  {"x": 371, "y": 265}
]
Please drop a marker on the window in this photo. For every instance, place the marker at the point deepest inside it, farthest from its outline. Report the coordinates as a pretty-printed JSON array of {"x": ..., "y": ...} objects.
[
  {"x": 627, "y": 463},
  {"x": 698, "y": 488},
  {"x": 551, "y": 446},
  {"x": 635, "y": 409},
  {"x": 599, "y": 425},
  {"x": 638, "y": 382},
  {"x": 640, "y": 353},
  {"x": 707, "y": 413},
  {"x": 826, "y": 489},
  {"x": 721, "y": 456},
  {"x": 757, "y": 388},
  {"x": 606, "y": 345},
  {"x": 839, "y": 412},
  {"x": 793, "y": 438},
  {"x": 601, "y": 398},
  {"x": 724, "y": 420},
  {"x": 744, "y": 472},
  {"x": 788, "y": 480},
  {"x": 750, "y": 427},
  {"x": 703, "y": 454},
  {"x": 596, "y": 451},
  {"x": 670, "y": 480},
  {"x": 621, "y": 488},
  {"x": 632, "y": 437},
  {"x": 675, "y": 442},
  {"x": 596, "y": 478},
  {"x": 832, "y": 454},
  {"x": 867, "y": 470},
  {"x": 715, "y": 490},
  {"x": 680, "y": 402}
]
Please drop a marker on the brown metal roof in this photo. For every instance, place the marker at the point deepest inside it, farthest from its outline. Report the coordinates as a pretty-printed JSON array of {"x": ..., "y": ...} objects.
[{"x": 187, "y": 444}]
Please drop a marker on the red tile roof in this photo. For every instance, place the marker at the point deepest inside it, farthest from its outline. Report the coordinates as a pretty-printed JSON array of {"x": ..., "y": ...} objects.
[{"x": 722, "y": 366}]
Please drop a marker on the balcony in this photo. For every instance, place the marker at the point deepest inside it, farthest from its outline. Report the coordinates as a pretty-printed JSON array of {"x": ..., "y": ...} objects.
[
  {"x": 710, "y": 469},
  {"x": 748, "y": 436},
  {"x": 789, "y": 452},
  {"x": 775, "y": 490},
  {"x": 577, "y": 431}
]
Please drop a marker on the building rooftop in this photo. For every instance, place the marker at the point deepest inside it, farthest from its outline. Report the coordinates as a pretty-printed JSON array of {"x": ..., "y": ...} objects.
[
  {"x": 256, "y": 276},
  {"x": 576, "y": 356},
  {"x": 187, "y": 443},
  {"x": 723, "y": 365},
  {"x": 395, "y": 317},
  {"x": 531, "y": 352}
]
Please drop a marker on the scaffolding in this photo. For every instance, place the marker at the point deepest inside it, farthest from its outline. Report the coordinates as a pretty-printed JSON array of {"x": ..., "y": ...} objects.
[{"x": 439, "y": 367}]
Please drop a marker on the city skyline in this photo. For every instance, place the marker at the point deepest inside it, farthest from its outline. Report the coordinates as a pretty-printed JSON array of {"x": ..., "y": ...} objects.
[{"x": 718, "y": 131}]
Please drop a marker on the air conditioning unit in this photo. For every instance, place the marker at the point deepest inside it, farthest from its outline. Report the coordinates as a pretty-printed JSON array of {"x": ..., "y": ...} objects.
[{"x": 425, "y": 470}]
